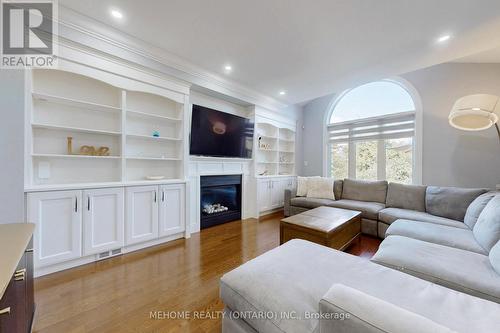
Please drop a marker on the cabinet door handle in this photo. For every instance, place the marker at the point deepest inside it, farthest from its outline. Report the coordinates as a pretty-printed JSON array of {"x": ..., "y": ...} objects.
[
  {"x": 20, "y": 271},
  {"x": 155, "y": 196},
  {"x": 88, "y": 203},
  {"x": 76, "y": 204},
  {"x": 162, "y": 196},
  {"x": 5, "y": 311}
]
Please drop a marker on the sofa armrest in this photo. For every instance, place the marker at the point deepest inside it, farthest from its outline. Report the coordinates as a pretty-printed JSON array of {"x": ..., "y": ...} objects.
[
  {"x": 289, "y": 195},
  {"x": 344, "y": 309}
]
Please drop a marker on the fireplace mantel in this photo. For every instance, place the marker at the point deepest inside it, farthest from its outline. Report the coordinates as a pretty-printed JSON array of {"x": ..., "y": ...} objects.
[{"x": 207, "y": 166}]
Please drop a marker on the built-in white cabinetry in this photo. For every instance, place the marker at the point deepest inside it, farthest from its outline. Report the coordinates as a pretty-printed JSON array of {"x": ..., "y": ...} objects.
[
  {"x": 58, "y": 232},
  {"x": 172, "y": 213},
  {"x": 103, "y": 142},
  {"x": 88, "y": 126},
  {"x": 142, "y": 214},
  {"x": 103, "y": 220},
  {"x": 275, "y": 149},
  {"x": 95, "y": 223},
  {"x": 264, "y": 194},
  {"x": 271, "y": 192}
]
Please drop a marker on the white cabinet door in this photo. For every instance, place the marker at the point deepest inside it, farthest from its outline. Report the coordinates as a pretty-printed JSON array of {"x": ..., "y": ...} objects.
[
  {"x": 103, "y": 221},
  {"x": 277, "y": 193},
  {"x": 58, "y": 232},
  {"x": 142, "y": 214},
  {"x": 264, "y": 194},
  {"x": 172, "y": 210}
]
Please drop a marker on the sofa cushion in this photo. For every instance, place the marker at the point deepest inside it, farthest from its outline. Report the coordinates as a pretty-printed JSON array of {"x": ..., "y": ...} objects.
[
  {"x": 296, "y": 276},
  {"x": 476, "y": 207},
  {"x": 337, "y": 188},
  {"x": 406, "y": 196},
  {"x": 369, "y": 210},
  {"x": 309, "y": 203},
  {"x": 437, "y": 234},
  {"x": 364, "y": 190},
  {"x": 487, "y": 228},
  {"x": 369, "y": 314},
  {"x": 495, "y": 257},
  {"x": 321, "y": 188},
  {"x": 389, "y": 215},
  {"x": 457, "y": 269},
  {"x": 450, "y": 202}
]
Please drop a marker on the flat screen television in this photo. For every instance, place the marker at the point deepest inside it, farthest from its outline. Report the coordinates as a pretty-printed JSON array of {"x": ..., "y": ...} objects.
[{"x": 219, "y": 134}]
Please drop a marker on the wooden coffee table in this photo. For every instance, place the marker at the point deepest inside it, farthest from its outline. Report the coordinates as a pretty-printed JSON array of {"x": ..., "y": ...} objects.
[{"x": 329, "y": 226}]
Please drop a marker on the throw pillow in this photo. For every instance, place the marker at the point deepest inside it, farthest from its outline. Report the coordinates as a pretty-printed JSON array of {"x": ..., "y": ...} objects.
[
  {"x": 302, "y": 185},
  {"x": 321, "y": 188}
]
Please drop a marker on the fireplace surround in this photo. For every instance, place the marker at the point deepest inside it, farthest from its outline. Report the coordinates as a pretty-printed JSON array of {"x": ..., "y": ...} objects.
[{"x": 220, "y": 199}]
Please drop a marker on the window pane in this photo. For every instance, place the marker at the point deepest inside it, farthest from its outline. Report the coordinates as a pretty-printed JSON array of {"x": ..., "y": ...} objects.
[
  {"x": 372, "y": 99},
  {"x": 340, "y": 161},
  {"x": 399, "y": 160},
  {"x": 366, "y": 160}
]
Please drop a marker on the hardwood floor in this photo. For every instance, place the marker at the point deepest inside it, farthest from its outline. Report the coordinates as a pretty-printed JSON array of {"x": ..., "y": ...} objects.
[{"x": 118, "y": 294}]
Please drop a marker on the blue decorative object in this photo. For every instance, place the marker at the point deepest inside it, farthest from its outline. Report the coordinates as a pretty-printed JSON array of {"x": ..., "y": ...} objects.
[{"x": 156, "y": 134}]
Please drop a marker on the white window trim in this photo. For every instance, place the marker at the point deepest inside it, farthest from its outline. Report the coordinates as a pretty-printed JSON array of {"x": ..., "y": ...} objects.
[{"x": 417, "y": 138}]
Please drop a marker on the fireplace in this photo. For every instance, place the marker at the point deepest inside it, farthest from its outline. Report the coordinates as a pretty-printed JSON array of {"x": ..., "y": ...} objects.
[{"x": 220, "y": 199}]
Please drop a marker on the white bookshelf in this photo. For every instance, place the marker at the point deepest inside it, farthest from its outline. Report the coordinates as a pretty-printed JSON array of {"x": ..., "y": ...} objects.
[
  {"x": 275, "y": 150},
  {"x": 96, "y": 113}
]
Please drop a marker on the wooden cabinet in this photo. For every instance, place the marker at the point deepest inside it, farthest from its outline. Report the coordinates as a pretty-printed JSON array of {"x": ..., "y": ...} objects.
[
  {"x": 142, "y": 214},
  {"x": 58, "y": 219},
  {"x": 271, "y": 192},
  {"x": 172, "y": 213},
  {"x": 103, "y": 220},
  {"x": 16, "y": 304}
]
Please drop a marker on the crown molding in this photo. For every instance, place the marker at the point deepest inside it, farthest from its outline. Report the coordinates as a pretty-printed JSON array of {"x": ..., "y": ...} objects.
[{"x": 92, "y": 34}]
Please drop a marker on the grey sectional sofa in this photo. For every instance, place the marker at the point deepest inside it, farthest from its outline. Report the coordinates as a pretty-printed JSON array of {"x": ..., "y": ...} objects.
[
  {"x": 437, "y": 270},
  {"x": 382, "y": 203},
  {"x": 304, "y": 287}
]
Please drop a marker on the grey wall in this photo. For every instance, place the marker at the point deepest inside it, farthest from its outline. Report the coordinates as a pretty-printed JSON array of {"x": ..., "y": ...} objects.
[
  {"x": 450, "y": 157},
  {"x": 11, "y": 146},
  {"x": 313, "y": 133}
]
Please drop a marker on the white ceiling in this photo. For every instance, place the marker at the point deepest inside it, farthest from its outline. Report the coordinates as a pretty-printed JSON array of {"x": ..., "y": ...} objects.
[
  {"x": 308, "y": 48},
  {"x": 487, "y": 57}
]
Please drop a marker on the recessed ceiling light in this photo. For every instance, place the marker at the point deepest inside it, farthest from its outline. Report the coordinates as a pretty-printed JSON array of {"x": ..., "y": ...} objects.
[
  {"x": 443, "y": 38},
  {"x": 228, "y": 68},
  {"x": 116, "y": 14},
  {"x": 282, "y": 93},
  {"x": 476, "y": 109}
]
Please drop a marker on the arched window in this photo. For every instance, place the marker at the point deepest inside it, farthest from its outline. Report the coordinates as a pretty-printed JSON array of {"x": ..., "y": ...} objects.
[{"x": 371, "y": 134}]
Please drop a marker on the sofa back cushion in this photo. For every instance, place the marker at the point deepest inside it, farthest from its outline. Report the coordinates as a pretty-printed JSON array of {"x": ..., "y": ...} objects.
[
  {"x": 365, "y": 190},
  {"x": 450, "y": 202},
  {"x": 337, "y": 188},
  {"x": 495, "y": 257},
  {"x": 406, "y": 196},
  {"x": 487, "y": 228},
  {"x": 476, "y": 207}
]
